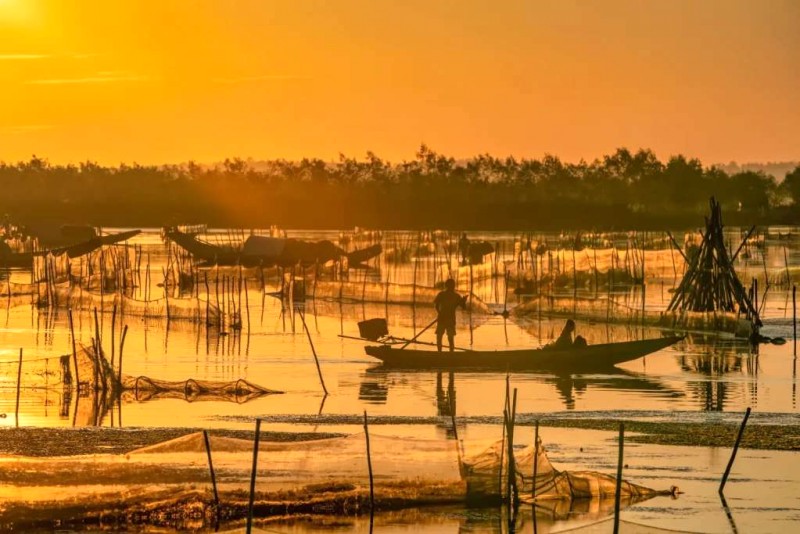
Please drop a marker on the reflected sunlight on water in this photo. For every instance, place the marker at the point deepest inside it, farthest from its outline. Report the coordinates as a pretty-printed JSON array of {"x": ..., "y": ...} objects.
[{"x": 706, "y": 377}]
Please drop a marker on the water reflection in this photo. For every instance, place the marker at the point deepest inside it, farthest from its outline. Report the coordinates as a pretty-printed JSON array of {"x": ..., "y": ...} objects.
[
  {"x": 571, "y": 386},
  {"x": 542, "y": 518},
  {"x": 713, "y": 359},
  {"x": 377, "y": 381},
  {"x": 270, "y": 348}
]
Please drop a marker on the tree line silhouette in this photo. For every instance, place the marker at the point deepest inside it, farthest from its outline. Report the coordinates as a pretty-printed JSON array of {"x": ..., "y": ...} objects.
[{"x": 621, "y": 190}]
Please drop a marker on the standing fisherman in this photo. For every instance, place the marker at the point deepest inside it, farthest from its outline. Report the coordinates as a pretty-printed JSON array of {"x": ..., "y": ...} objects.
[{"x": 446, "y": 303}]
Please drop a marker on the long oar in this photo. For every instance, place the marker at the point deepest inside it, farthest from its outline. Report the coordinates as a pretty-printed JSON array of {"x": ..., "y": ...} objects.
[
  {"x": 417, "y": 342},
  {"x": 410, "y": 341}
]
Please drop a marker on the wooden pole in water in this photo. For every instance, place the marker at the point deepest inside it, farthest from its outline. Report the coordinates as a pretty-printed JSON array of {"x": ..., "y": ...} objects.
[
  {"x": 414, "y": 282},
  {"x": 253, "y": 478},
  {"x": 369, "y": 466},
  {"x": 113, "y": 327},
  {"x": 121, "y": 346},
  {"x": 618, "y": 493},
  {"x": 19, "y": 382},
  {"x": 535, "y": 459},
  {"x": 313, "y": 351},
  {"x": 208, "y": 298},
  {"x": 735, "y": 449},
  {"x": 247, "y": 304},
  {"x": 786, "y": 264},
  {"x": 211, "y": 468},
  {"x": 97, "y": 334},
  {"x": 794, "y": 320},
  {"x": 503, "y": 440},
  {"x": 99, "y": 347},
  {"x": 74, "y": 350},
  {"x": 513, "y": 494},
  {"x": 574, "y": 271}
]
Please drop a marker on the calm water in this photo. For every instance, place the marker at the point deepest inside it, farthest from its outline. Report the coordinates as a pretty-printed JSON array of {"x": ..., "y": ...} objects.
[{"x": 705, "y": 377}]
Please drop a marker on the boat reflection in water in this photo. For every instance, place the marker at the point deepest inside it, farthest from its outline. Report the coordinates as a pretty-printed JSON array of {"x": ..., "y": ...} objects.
[
  {"x": 378, "y": 380},
  {"x": 570, "y": 386}
]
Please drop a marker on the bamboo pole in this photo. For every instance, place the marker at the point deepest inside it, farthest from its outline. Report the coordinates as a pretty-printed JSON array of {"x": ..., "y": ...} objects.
[
  {"x": 313, "y": 350},
  {"x": 74, "y": 350},
  {"x": 735, "y": 450},
  {"x": 253, "y": 478},
  {"x": 413, "y": 339},
  {"x": 19, "y": 383},
  {"x": 513, "y": 493},
  {"x": 535, "y": 460},
  {"x": 208, "y": 298},
  {"x": 247, "y": 304},
  {"x": 618, "y": 492},
  {"x": 369, "y": 466},
  {"x": 414, "y": 282},
  {"x": 786, "y": 264},
  {"x": 113, "y": 328},
  {"x": 211, "y": 469},
  {"x": 503, "y": 440},
  {"x": 794, "y": 320},
  {"x": 121, "y": 346}
]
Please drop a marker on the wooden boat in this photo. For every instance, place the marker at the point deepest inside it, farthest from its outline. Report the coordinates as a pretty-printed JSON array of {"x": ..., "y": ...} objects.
[
  {"x": 590, "y": 358},
  {"x": 90, "y": 245},
  {"x": 269, "y": 251}
]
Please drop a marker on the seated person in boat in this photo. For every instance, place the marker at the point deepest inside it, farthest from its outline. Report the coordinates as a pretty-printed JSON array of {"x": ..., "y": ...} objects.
[
  {"x": 564, "y": 340},
  {"x": 446, "y": 303}
]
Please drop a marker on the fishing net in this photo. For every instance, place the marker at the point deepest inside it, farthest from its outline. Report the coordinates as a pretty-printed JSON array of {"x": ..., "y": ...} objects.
[
  {"x": 610, "y": 311},
  {"x": 51, "y": 381},
  {"x": 597, "y": 267},
  {"x": 329, "y": 475},
  {"x": 463, "y": 275},
  {"x": 95, "y": 373},
  {"x": 34, "y": 373},
  {"x": 186, "y": 309},
  {"x": 627, "y": 527},
  {"x": 143, "y": 388},
  {"x": 87, "y": 380},
  {"x": 387, "y": 293},
  {"x": 484, "y": 476},
  {"x": 16, "y": 288}
]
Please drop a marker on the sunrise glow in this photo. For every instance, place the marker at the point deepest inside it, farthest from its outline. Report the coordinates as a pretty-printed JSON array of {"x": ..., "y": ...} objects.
[{"x": 167, "y": 82}]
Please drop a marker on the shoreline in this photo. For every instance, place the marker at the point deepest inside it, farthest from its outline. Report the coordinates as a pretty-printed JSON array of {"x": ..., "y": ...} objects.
[{"x": 47, "y": 442}]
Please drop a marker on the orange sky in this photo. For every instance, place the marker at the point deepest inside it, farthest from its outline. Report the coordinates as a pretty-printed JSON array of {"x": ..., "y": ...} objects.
[{"x": 159, "y": 81}]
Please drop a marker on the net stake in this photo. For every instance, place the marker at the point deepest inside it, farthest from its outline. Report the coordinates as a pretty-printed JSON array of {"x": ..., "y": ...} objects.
[
  {"x": 618, "y": 492},
  {"x": 735, "y": 450},
  {"x": 253, "y": 478},
  {"x": 19, "y": 381},
  {"x": 211, "y": 469},
  {"x": 313, "y": 350},
  {"x": 369, "y": 467}
]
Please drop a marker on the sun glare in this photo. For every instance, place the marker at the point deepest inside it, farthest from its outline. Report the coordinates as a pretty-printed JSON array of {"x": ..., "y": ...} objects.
[{"x": 17, "y": 11}]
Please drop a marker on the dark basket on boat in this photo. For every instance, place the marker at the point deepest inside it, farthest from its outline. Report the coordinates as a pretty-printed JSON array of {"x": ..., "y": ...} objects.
[{"x": 373, "y": 329}]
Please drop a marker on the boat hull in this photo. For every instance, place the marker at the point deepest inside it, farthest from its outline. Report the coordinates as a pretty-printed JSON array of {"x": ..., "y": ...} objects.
[{"x": 591, "y": 358}]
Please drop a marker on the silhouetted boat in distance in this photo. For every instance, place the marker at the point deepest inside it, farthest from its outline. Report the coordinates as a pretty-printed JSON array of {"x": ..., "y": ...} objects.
[
  {"x": 269, "y": 251},
  {"x": 574, "y": 359},
  {"x": 90, "y": 243}
]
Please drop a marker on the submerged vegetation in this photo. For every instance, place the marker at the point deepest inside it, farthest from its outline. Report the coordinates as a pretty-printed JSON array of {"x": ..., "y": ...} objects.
[{"x": 624, "y": 189}]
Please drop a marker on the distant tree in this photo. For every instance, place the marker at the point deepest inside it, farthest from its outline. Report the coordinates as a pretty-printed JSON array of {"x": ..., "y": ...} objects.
[
  {"x": 753, "y": 190},
  {"x": 791, "y": 185}
]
